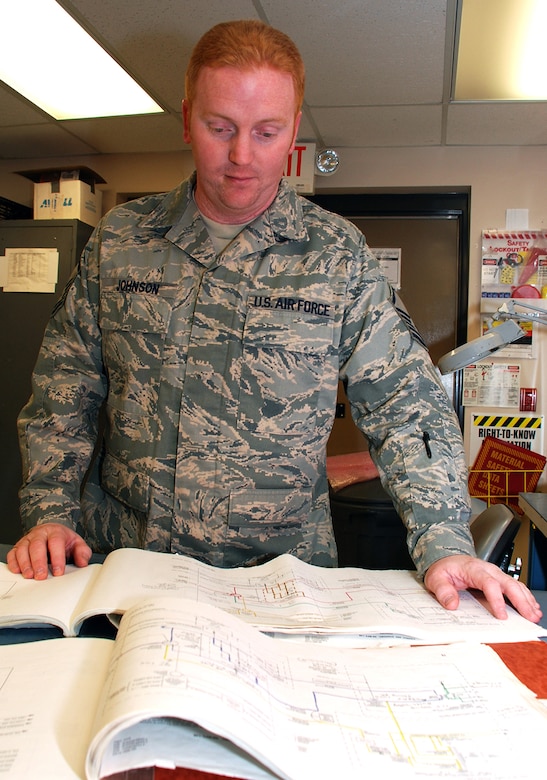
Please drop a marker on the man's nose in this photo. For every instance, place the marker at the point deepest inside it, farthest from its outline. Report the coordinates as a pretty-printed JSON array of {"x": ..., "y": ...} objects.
[{"x": 240, "y": 150}]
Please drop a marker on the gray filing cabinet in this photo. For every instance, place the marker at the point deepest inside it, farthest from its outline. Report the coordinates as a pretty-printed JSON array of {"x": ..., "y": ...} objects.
[{"x": 23, "y": 317}]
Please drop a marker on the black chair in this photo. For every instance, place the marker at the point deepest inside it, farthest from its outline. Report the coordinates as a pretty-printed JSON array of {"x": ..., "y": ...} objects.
[
  {"x": 370, "y": 534},
  {"x": 494, "y": 531},
  {"x": 368, "y": 531}
]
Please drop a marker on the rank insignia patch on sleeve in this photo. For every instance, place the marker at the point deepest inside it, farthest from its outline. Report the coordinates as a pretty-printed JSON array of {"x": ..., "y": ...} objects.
[{"x": 406, "y": 318}]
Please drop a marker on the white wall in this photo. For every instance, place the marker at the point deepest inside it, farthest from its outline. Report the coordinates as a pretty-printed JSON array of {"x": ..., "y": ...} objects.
[
  {"x": 500, "y": 178},
  {"x": 133, "y": 173}
]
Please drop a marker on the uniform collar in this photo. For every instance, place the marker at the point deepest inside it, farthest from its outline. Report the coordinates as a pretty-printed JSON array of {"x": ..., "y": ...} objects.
[{"x": 178, "y": 215}]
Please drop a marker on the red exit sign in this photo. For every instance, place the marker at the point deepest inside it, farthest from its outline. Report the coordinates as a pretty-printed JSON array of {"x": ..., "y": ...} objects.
[{"x": 300, "y": 168}]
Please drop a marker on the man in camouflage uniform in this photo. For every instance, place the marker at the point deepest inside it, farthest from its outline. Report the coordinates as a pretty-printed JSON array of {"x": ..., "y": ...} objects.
[{"x": 214, "y": 323}]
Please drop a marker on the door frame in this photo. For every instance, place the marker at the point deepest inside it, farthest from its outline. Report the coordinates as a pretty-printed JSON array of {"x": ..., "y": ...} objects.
[{"x": 453, "y": 204}]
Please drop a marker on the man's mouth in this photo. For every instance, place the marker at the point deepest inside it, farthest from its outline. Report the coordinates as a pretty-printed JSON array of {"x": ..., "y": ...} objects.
[{"x": 240, "y": 178}]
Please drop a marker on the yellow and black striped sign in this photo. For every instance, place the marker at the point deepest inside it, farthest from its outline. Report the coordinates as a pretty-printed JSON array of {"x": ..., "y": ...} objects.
[
  {"x": 507, "y": 421},
  {"x": 525, "y": 430}
]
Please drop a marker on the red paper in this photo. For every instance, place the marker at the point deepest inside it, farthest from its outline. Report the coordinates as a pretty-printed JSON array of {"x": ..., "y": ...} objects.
[{"x": 502, "y": 470}]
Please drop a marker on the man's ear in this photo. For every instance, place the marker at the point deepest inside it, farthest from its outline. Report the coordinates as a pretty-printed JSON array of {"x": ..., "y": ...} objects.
[{"x": 186, "y": 121}]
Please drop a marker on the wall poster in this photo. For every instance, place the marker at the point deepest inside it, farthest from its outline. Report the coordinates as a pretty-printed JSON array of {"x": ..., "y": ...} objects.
[
  {"x": 492, "y": 384},
  {"x": 514, "y": 263}
]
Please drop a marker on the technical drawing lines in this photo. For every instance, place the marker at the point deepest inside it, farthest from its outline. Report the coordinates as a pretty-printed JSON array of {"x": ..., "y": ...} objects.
[
  {"x": 433, "y": 711},
  {"x": 286, "y": 589}
]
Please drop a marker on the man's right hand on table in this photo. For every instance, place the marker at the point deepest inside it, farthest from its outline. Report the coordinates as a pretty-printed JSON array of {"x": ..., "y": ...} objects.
[{"x": 48, "y": 544}]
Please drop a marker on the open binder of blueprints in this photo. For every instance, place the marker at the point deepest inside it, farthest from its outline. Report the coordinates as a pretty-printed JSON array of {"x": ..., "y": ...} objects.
[
  {"x": 188, "y": 684},
  {"x": 284, "y": 597}
]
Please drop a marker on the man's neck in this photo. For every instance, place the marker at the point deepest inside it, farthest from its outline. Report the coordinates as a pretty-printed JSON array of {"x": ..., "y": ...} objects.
[{"x": 220, "y": 233}]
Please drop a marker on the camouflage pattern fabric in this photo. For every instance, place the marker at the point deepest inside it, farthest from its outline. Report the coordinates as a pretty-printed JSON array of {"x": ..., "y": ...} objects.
[{"x": 216, "y": 380}]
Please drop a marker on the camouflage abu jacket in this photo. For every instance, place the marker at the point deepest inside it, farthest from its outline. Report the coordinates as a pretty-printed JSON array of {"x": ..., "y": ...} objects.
[{"x": 219, "y": 378}]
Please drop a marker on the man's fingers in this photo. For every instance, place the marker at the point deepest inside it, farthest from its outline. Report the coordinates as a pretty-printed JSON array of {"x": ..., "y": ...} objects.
[
  {"x": 454, "y": 573},
  {"x": 29, "y": 558},
  {"x": 81, "y": 553},
  {"x": 52, "y": 543},
  {"x": 57, "y": 549},
  {"x": 445, "y": 593}
]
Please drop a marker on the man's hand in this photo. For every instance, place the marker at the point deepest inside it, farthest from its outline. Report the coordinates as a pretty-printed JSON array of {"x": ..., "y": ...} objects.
[
  {"x": 449, "y": 575},
  {"x": 29, "y": 556}
]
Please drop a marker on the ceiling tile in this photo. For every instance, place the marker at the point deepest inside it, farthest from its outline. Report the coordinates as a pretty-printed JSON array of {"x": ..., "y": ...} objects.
[
  {"x": 153, "y": 40},
  {"x": 492, "y": 124},
  {"x": 376, "y": 72},
  {"x": 15, "y": 110},
  {"x": 113, "y": 135},
  {"x": 373, "y": 53},
  {"x": 380, "y": 126},
  {"x": 40, "y": 141}
]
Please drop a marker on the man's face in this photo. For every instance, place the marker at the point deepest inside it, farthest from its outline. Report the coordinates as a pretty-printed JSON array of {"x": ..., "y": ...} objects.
[{"x": 242, "y": 126}]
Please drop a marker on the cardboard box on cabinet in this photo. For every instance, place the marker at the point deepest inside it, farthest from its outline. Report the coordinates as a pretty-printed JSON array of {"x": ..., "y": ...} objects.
[{"x": 67, "y": 194}]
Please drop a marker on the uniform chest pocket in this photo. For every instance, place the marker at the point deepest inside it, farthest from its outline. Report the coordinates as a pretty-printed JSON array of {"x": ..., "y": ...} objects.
[
  {"x": 284, "y": 360},
  {"x": 134, "y": 329}
]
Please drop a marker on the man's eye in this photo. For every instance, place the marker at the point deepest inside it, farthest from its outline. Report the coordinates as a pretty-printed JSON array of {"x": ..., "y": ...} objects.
[
  {"x": 267, "y": 134},
  {"x": 218, "y": 130}
]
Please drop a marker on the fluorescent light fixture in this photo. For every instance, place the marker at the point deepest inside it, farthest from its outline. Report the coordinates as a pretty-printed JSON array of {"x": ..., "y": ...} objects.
[
  {"x": 49, "y": 59},
  {"x": 501, "y": 50}
]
